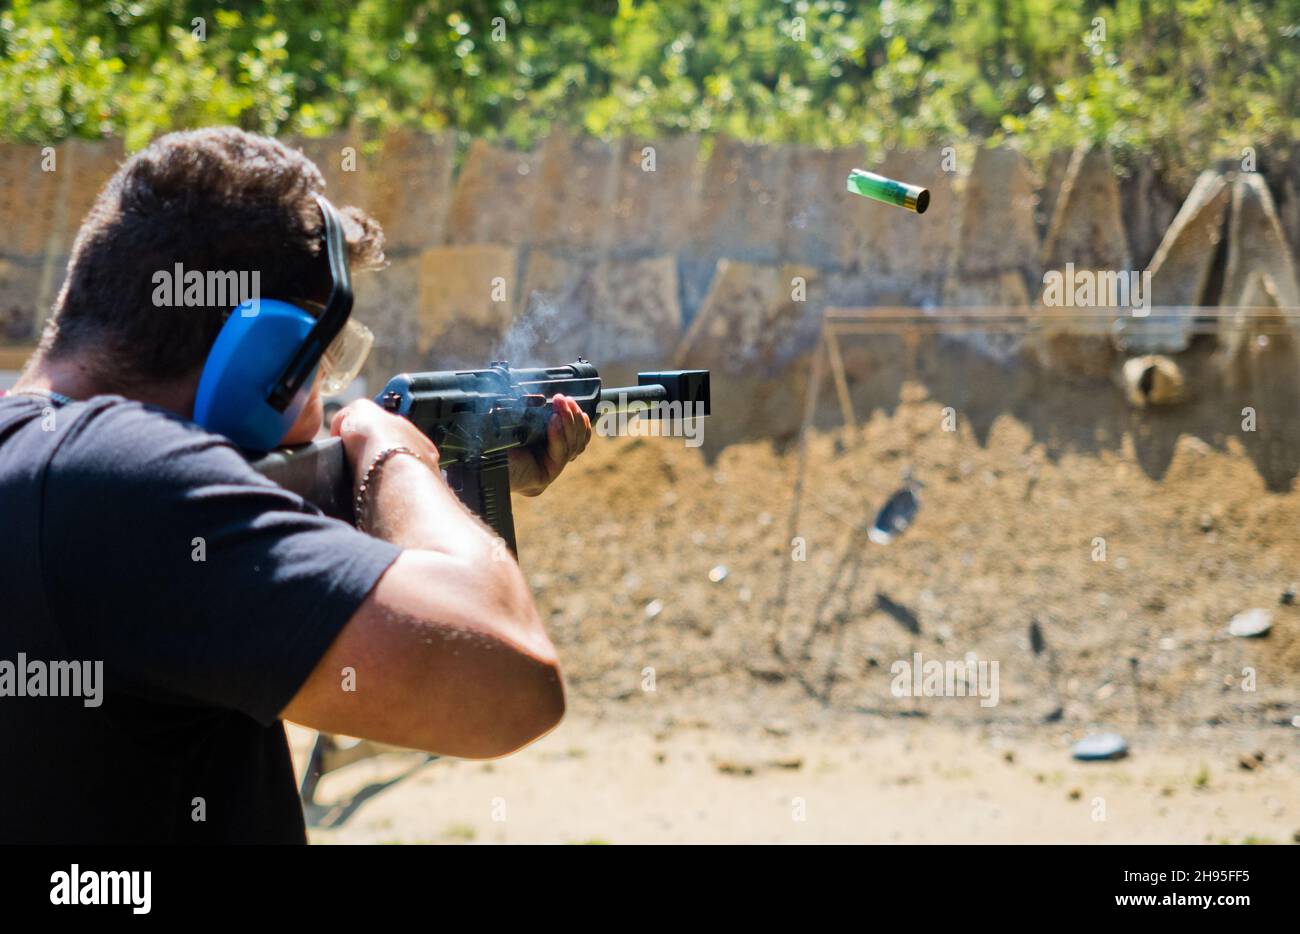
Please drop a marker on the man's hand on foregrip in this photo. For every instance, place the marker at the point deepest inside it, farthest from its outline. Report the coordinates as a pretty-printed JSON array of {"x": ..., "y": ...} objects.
[{"x": 567, "y": 434}]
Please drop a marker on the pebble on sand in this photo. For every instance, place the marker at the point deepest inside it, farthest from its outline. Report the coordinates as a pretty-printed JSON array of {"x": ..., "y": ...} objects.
[
  {"x": 1251, "y": 623},
  {"x": 1099, "y": 747},
  {"x": 734, "y": 767}
]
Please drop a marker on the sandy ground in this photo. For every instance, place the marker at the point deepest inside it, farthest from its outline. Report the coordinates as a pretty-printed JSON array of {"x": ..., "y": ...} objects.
[
  {"x": 1126, "y": 541},
  {"x": 881, "y": 781}
]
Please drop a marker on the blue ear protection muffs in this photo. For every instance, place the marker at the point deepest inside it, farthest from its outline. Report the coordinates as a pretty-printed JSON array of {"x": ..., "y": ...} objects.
[{"x": 260, "y": 371}]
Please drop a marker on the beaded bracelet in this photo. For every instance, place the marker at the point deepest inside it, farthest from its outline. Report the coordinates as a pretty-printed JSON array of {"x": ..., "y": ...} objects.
[{"x": 359, "y": 504}]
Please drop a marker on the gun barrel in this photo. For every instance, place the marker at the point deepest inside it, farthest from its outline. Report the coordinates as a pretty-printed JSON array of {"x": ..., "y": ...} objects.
[{"x": 623, "y": 397}]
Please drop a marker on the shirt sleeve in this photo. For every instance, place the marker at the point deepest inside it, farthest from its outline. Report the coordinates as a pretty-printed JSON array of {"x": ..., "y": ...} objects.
[{"x": 191, "y": 576}]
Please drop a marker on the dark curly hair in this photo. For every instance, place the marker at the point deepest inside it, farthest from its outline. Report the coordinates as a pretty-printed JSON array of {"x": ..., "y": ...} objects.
[{"x": 214, "y": 200}]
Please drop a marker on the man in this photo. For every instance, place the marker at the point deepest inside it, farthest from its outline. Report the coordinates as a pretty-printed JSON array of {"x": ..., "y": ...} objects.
[{"x": 188, "y": 603}]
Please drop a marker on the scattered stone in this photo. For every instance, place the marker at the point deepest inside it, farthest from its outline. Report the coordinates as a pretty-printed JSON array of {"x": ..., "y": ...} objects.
[
  {"x": 1250, "y": 761},
  {"x": 1288, "y": 596},
  {"x": 732, "y": 767},
  {"x": 691, "y": 723},
  {"x": 1099, "y": 747},
  {"x": 770, "y": 675},
  {"x": 1036, "y": 641},
  {"x": 653, "y": 608},
  {"x": 1251, "y": 623},
  {"x": 1207, "y": 522},
  {"x": 718, "y": 574}
]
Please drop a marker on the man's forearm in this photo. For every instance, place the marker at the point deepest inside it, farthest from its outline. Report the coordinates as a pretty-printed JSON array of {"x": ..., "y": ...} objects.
[{"x": 409, "y": 504}]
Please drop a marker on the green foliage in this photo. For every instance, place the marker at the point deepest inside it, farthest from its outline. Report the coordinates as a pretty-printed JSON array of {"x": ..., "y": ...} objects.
[{"x": 1185, "y": 79}]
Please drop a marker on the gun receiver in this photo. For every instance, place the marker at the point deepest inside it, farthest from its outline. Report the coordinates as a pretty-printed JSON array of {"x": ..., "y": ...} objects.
[{"x": 475, "y": 417}]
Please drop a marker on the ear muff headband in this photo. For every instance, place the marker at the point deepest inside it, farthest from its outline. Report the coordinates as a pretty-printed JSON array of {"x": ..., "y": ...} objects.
[
  {"x": 247, "y": 391},
  {"x": 331, "y": 321}
]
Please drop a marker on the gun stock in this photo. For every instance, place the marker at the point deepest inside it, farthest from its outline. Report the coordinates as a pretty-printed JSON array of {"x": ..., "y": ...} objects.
[{"x": 318, "y": 472}]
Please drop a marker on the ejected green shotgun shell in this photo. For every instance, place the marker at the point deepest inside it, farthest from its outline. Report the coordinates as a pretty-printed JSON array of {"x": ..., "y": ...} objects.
[{"x": 871, "y": 185}]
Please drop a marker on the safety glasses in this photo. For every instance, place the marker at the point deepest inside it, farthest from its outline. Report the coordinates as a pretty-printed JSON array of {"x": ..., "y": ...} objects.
[
  {"x": 346, "y": 354},
  {"x": 344, "y": 357}
]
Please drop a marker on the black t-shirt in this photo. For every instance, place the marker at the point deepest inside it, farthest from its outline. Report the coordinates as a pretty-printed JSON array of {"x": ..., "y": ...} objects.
[{"x": 135, "y": 541}]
